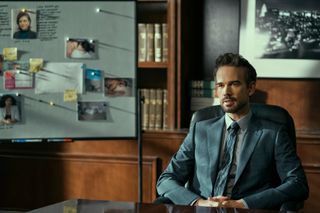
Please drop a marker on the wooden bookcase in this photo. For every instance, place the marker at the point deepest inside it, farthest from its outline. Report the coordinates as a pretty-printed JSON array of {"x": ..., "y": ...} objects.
[{"x": 160, "y": 74}]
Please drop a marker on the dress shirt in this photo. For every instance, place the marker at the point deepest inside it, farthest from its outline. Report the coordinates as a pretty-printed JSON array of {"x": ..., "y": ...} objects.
[{"x": 243, "y": 123}]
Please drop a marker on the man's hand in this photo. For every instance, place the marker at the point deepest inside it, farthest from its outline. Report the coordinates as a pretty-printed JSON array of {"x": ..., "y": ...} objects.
[
  {"x": 208, "y": 203},
  {"x": 227, "y": 202},
  {"x": 220, "y": 201}
]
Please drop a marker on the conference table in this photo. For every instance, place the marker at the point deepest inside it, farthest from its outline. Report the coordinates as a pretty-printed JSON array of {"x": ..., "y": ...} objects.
[{"x": 100, "y": 206}]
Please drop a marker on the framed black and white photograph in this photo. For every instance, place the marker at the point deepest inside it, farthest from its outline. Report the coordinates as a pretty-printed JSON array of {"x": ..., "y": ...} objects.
[{"x": 281, "y": 38}]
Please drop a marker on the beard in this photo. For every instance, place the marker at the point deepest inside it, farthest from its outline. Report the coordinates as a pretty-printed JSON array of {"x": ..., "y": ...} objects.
[{"x": 236, "y": 107}]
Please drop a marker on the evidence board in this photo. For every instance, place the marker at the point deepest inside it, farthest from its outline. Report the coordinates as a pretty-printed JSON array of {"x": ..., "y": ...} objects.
[{"x": 68, "y": 69}]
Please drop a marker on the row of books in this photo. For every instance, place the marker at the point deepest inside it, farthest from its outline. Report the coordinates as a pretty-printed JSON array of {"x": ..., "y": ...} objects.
[
  {"x": 153, "y": 42},
  {"x": 202, "y": 94},
  {"x": 202, "y": 88},
  {"x": 202, "y": 84},
  {"x": 154, "y": 109}
]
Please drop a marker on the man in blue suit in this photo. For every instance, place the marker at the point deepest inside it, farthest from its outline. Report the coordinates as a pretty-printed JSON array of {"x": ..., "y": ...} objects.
[{"x": 263, "y": 152}]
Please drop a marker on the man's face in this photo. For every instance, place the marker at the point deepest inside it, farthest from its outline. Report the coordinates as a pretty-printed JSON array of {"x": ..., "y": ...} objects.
[
  {"x": 24, "y": 23},
  {"x": 233, "y": 91}
]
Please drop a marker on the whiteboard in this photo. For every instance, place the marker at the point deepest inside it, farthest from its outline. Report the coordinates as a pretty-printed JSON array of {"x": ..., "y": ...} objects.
[{"x": 63, "y": 78}]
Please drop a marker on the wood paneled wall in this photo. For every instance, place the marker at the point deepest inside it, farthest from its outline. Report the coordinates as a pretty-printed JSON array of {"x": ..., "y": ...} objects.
[
  {"x": 38, "y": 174},
  {"x": 31, "y": 179},
  {"x": 301, "y": 97},
  {"x": 308, "y": 148}
]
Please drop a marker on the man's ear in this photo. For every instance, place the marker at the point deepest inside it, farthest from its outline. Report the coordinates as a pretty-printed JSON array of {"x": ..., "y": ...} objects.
[{"x": 251, "y": 88}]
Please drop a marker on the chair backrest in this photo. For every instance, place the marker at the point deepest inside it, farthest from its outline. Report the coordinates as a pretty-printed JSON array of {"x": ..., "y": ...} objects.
[{"x": 273, "y": 113}]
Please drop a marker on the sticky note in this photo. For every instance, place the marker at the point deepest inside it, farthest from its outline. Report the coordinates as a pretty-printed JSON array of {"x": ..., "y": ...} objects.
[
  {"x": 10, "y": 53},
  {"x": 35, "y": 64},
  {"x": 70, "y": 95}
]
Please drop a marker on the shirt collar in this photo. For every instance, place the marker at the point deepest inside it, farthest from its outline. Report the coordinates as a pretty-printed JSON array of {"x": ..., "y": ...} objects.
[{"x": 243, "y": 122}]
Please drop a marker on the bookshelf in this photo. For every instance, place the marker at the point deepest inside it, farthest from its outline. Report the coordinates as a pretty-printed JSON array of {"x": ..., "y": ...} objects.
[{"x": 160, "y": 75}]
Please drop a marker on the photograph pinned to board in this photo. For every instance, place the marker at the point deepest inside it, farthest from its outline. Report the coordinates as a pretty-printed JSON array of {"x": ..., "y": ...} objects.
[
  {"x": 10, "y": 53},
  {"x": 80, "y": 48},
  {"x": 93, "y": 80},
  {"x": 17, "y": 79},
  {"x": 118, "y": 87},
  {"x": 57, "y": 77},
  {"x": 17, "y": 76},
  {"x": 92, "y": 110},
  {"x": 24, "y": 23},
  {"x": 10, "y": 109}
]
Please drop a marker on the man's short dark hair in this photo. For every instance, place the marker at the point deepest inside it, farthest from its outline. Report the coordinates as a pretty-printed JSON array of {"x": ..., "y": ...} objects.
[{"x": 236, "y": 60}]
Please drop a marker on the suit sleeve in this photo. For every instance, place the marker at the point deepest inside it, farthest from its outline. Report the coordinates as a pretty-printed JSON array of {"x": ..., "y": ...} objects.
[
  {"x": 171, "y": 183},
  {"x": 293, "y": 185}
]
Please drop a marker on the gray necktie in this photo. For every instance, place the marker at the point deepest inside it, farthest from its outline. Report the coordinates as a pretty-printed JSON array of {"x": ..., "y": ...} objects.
[{"x": 223, "y": 173}]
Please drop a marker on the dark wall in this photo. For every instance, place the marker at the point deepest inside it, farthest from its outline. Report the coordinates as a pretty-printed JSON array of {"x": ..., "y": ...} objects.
[
  {"x": 208, "y": 29},
  {"x": 221, "y": 20}
]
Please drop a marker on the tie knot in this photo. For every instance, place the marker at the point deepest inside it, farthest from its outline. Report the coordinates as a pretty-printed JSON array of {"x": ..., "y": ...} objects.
[{"x": 234, "y": 127}]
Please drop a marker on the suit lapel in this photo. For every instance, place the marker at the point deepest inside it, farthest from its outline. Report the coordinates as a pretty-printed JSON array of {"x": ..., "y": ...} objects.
[
  {"x": 250, "y": 141},
  {"x": 214, "y": 137}
]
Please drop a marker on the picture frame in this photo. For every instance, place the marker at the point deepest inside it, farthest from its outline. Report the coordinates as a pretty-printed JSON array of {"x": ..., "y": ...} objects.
[{"x": 250, "y": 42}]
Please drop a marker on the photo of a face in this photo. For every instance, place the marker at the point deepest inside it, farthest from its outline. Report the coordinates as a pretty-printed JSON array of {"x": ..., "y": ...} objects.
[
  {"x": 118, "y": 86},
  {"x": 24, "y": 24},
  {"x": 80, "y": 48},
  {"x": 9, "y": 109}
]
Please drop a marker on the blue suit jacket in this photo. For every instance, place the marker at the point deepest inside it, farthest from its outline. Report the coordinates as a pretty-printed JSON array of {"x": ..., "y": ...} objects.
[{"x": 269, "y": 172}]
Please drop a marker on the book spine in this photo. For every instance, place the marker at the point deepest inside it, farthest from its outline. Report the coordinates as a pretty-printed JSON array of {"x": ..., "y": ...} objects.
[
  {"x": 202, "y": 84},
  {"x": 157, "y": 43},
  {"x": 158, "y": 113},
  {"x": 150, "y": 42},
  {"x": 152, "y": 109},
  {"x": 142, "y": 42},
  {"x": 164, "y": 109},
  {"x": 145, "y": 108},
  {"x": 164, "y": 42}
]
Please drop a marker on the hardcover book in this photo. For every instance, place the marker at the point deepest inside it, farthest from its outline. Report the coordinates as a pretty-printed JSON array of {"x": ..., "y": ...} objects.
[
  {"x": 145, "y": 94},
  {"x": 152, "y": 109},
  {"x": 157, "y": 43},
  {"x": 150, "y": 42},
  {"x": 164, "y": 42},
  {"x": 142, "y": 42},
  {"x": 158, "y": 121},
  {"x": 164, "y": 110}
]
